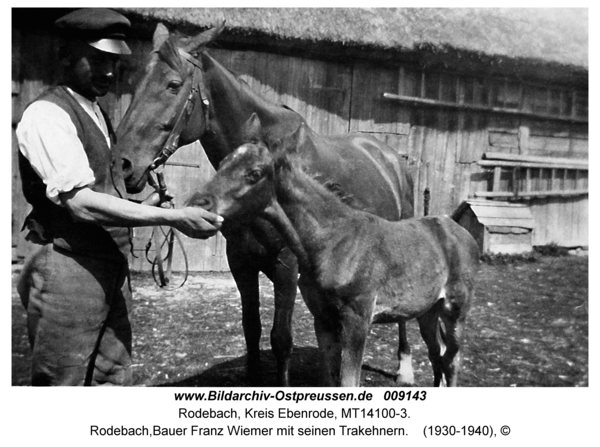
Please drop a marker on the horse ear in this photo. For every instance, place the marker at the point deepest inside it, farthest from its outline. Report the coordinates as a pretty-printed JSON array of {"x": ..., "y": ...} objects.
[
  {"x": 252, "y": 129},
  {"x": 300, "y": 135},
  {"x": 293, "y": 141},
  {"x": 161, "y": 34},
  {"x": 195, "y": 44}
]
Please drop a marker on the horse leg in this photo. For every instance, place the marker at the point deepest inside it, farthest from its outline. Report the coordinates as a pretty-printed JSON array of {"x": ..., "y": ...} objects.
[
  {"x": 284, "y": 276},
  {"x": 355, "y": 328},
  {"x": 453, "y": 315},
  {"x": 429, "y": 325},
  {"x": 326, "y": 332},
  {"x": 246, "y": 279},
  {"x": 405, "y": 375},
  {"x": 342, "y": 352},
  {"x": 330, "y": 348}
]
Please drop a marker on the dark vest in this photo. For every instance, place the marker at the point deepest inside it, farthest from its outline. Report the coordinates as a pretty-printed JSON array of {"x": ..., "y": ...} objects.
[{"x": 56, "y": 221}]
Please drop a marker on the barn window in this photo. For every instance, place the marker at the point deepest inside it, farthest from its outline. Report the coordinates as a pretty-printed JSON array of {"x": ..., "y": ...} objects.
[{"x": 509, "y": 95}]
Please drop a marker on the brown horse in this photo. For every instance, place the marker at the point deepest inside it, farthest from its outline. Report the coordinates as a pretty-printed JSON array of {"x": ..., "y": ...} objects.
[
  {"x": 185, "y": 95},
  {"x": 356, "y": 268}
]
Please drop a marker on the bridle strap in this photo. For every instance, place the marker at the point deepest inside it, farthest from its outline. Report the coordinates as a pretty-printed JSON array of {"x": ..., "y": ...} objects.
[
  {"x": 198, "y": 89},
  {"x": 172, "y": 144}
]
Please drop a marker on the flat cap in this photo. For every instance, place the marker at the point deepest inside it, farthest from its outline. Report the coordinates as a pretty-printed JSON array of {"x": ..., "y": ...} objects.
[{"x": 102, "y": 28}]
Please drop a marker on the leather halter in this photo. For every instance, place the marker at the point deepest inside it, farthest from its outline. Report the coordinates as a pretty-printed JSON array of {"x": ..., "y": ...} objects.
[
  {"x": 197, "y": 88},
  {"x": 172, "y": 144}
]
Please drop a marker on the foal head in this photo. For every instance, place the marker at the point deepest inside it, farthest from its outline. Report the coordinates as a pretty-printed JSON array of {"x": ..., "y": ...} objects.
[{"x": 242, "y": 187}]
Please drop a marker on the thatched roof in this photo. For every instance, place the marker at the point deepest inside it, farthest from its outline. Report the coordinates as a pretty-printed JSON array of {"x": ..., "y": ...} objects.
[
  {"x": 557, "y": 36},
  {"x": 538, "y": 42}
]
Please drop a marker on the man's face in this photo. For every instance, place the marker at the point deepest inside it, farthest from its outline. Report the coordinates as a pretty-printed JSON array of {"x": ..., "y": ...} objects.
[{"x": 90, "y": 72}]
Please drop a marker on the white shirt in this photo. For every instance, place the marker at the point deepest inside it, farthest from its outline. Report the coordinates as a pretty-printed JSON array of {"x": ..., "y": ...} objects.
[{"x": 48, "y": 139}]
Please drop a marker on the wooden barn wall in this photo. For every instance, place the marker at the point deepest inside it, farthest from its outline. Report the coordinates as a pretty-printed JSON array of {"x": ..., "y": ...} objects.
[
  {"x": 33, "y": 59},
  {"x": 561, "y": 221},
  {"x": 440, "y": 146}
]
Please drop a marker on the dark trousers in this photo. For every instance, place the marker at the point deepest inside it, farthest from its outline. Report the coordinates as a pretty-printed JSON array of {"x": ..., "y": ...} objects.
[{"x": 78, "y": 317}]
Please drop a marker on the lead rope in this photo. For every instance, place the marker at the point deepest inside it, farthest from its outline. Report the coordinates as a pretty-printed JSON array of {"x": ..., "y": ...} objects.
[{"x": 163, "y": 276}]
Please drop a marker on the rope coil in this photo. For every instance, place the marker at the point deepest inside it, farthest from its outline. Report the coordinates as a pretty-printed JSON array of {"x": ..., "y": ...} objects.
[{"x": 163, "y": 275}]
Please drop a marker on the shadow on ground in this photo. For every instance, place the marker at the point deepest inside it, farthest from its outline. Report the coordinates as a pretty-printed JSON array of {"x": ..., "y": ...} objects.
[{"x": 304, "y": 372}]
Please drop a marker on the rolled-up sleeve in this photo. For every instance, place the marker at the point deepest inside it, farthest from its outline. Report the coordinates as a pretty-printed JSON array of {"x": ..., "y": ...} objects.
[{"x": 48, "y": 139}]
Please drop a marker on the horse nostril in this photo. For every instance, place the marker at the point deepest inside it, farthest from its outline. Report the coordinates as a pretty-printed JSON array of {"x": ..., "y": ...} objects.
[
  {"x": 127, "y": 167},
  {"x": 205, "y": 202}
]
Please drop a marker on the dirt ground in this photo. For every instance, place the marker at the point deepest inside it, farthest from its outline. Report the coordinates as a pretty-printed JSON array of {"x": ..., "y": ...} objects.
[{"x": 528, "y": 328}]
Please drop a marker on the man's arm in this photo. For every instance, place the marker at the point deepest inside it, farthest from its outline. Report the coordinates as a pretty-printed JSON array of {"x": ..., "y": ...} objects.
[{"x": 86, "y": 205}]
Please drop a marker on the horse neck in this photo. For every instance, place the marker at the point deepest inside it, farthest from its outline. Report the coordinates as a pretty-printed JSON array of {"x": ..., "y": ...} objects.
[
  {"x": 232, "y": 104},
  {"x": 314, "y": 213}
]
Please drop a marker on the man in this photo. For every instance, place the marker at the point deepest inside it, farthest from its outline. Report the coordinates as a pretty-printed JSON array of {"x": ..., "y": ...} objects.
[{"x": 76, "y": 287}]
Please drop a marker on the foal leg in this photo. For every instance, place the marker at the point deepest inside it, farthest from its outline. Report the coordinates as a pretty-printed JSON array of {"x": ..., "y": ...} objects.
[
  {"x": 355, "y": 328},
  {"x": 451, "y": 358},
  {"x": 429, "y": 327},
  {"x": 246, "y": 279},
  {"x": 327, "y": 332},
  {"x": 284, "y": 276},
  {"x": 330, "y": 348},
  {"x": 453, "y": 315},
  {"x": 342, "y": 343},
  {"x": 405, "y": 375}
]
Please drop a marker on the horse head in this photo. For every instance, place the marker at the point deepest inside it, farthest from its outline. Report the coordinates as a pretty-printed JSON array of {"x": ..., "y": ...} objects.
[
  {"x": 168, "y": 108},
  {"x": 242, "y": 188}
]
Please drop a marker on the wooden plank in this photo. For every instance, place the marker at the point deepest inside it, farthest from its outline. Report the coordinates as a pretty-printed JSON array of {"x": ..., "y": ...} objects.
[
  {"x": 524, "y": 164},
  {"x": 370, "y": 113},
  {"x": 415, "y": 142},
  {"x": 504, "y": 140},
  {"x": 549, "y": 145},
  {"x": 476, "y": 138},
  {"x": 579, "y": 148},
  {"x": 523, "y": 139},
  {"x": 503, "y": 156},
  {"x": 496, "y": 181},
  {"x": 566, "y": 193},
  {"x": 478, "y": 108},
  {"x": 451, "y": 201},
  {"x": 554, "y": 180},
  {"x": 527, "y": 180},
  {"x": 467, "y": 187},
  {"x": 502, "y": 211},
  {"x": 506, "y": 222}
]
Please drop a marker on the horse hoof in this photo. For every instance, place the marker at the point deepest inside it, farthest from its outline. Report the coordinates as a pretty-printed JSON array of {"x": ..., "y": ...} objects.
[{"x": 405, "y": 380}]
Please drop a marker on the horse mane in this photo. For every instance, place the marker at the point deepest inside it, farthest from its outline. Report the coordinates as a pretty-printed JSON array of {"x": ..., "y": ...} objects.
[
  {"x": 243, "y": 84},
  {"x": 344, "y": 196},
  {"x": 285, "y": 161},
  {"x": 169, "y": 53}
]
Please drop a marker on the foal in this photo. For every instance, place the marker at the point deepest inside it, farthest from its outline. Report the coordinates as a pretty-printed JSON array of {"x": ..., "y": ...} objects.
[{"x": 356, "y": 268}]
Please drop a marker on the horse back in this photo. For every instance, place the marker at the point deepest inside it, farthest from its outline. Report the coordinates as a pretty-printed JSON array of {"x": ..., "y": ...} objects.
[
  {"x": 459, "y": 248},
  {"x": 368, "y": 170},
  {"x": 457, "y": 253}
]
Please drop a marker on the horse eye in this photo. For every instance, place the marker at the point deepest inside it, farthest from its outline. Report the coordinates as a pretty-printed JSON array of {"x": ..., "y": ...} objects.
[
  {"x": 254, "y": 176},
  {"x": 174, "y": 85}
]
